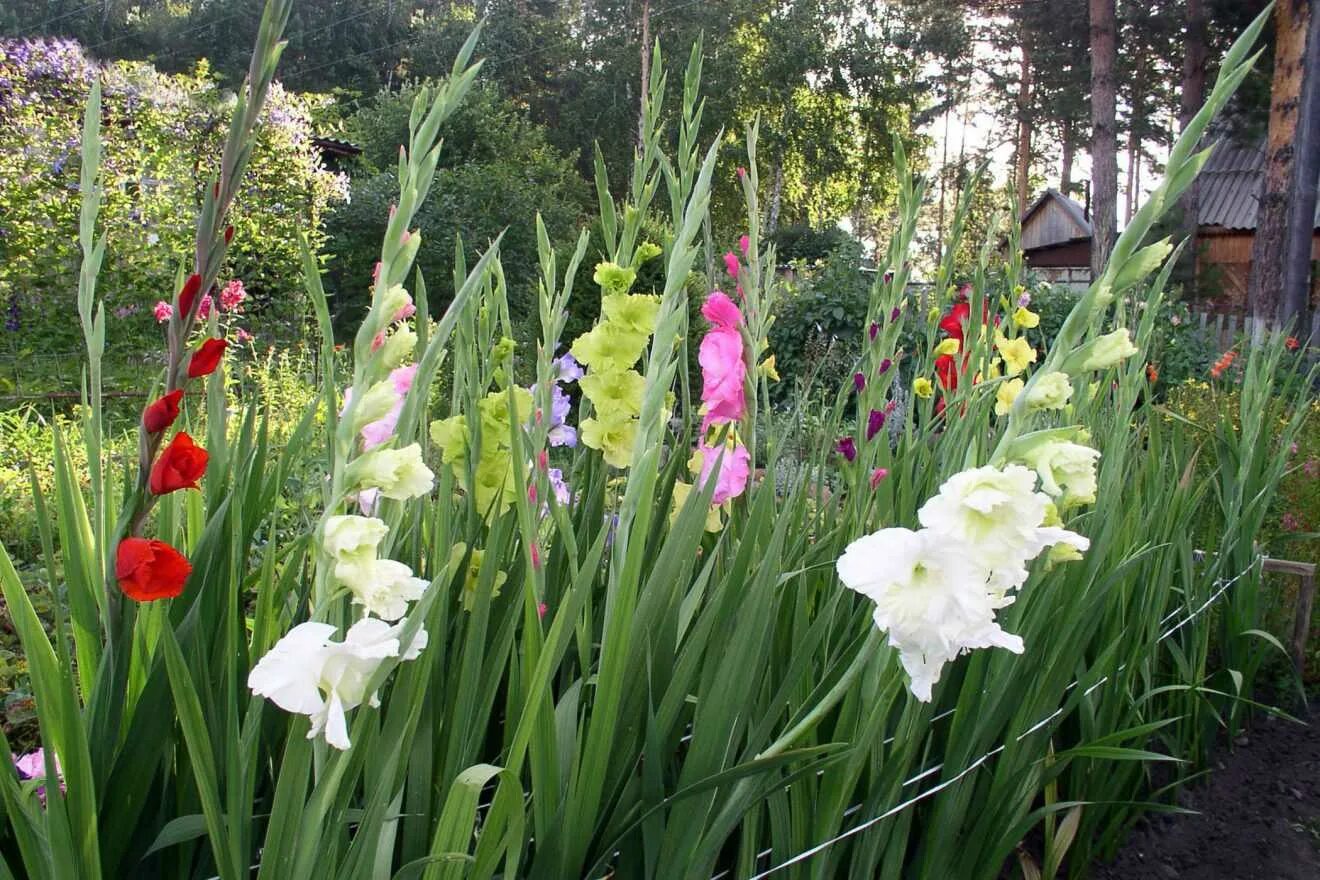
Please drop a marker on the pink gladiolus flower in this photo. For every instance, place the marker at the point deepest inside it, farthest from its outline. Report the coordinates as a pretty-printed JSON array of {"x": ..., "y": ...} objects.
[
  {"x": 731, "y": 264},
  {"x": 721, "y": 311},
  {"x": 723, "y": 371},
  {"x": 542, "y": 459},
  {"x": 744, "y": 245},
  {"x": 541, "y": 608},
  {"x": 735, "y": 468},
  {"x": 536, "y": 558},
  {"x": 375, "y": 270},
  {"x": 404, "y": 313},
  {"x": 877, "y": 475},
  {"x": 163, "y": 311},
  {"x": 742, "y": 172}
]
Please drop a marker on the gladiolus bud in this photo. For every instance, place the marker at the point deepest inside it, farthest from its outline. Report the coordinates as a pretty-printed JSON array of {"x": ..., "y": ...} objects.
[
  {"x": 847, "y": 448},
  {"x": 206, "y": 358},
  {"x": 161, "y": 414},
  {"x": 877, "y": 475},
  {"x": 188, "y": 294},
  {"x": 229, "y": 234},
  {"x": 874, "y": 423}
]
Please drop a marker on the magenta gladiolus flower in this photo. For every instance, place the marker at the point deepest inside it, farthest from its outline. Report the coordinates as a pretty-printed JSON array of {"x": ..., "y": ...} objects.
[
  {"x": 874, "y": 331},
  {"x": 874, "y": 423},
  {"x": 163, "y": 311},
  {"x": 847, "y": 448},
  {"x": 885, "y": 365},
  {"x": 893, "y": 315},
  {"x": 744, "y": 245},
  {"x": 859, "y": 382},
  {"x": 731, "y": 264},
  {"x": 735, "y": 468}
]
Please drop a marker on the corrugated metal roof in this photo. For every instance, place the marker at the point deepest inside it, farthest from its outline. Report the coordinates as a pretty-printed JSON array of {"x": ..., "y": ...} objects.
[{"x": 1230, "y": 185}]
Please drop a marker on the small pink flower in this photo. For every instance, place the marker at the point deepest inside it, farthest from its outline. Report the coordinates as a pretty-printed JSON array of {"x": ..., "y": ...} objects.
[
  {"x": 531, "y": 492},
  {"x": 232, "y": 296},
  {"x": 1291, "y": 523},
  {"x": 742, "y": 172},
  {"x": 536, "y": 558},
  {"x": 163, "y": 311},
  {"x": 541, "y": 608},
  {"x": 204, "y": 310},
  {"x": 877, "y": 476},
  {"x": 243, "y": 335},
  {"x": 744, "y": 245},
  {"x": 1312, "y": 467},
  {"x": 542, "y": 459}
]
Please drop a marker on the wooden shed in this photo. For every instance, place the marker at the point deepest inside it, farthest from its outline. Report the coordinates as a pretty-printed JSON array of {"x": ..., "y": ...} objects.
[
  {"x": 1229, "y": 189},
  {"x": 1056, "y": 239}
]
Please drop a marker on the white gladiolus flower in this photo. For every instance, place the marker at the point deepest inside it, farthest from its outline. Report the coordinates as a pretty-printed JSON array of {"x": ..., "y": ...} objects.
[
  {"x": 382, "y": 586},
  {"x": 398, "y": 473},
  {"x": 930, "y": 597},
  {"x": 1050, "y": 391},
  {"x": 353, "y": 537},
  {"x": 1067, "y": 471},
  {"x": 375, "y": 404},
  {"x": 936, "y": 590},
  {"x": 308, "y": 674}
]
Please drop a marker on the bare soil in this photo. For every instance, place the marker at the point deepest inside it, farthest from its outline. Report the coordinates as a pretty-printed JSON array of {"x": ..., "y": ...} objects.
[{"x": 1258, "y": 815}]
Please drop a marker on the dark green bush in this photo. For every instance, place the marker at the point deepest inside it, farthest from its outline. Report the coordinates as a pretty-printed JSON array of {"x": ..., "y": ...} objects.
[{"x": 496, "y": 172}]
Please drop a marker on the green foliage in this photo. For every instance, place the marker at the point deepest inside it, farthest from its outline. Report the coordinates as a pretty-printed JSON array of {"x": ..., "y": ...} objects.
[
  {"x": 162, "y": 138},
  {"x": 496, "y": 173},
  {"x": 818, "y": 332},
  {"x": 802, "y": 243}
]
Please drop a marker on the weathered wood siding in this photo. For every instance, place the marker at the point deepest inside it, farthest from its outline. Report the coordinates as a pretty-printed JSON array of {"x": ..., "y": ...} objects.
[{"x": 1049, "y": 224}]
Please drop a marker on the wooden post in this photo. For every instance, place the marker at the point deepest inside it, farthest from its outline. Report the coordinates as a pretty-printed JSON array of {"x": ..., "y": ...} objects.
[{"x": 1305, "y": 604}]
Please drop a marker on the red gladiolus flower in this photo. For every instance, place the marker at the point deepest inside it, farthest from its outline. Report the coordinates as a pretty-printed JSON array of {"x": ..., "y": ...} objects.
[
  {"x": 189, "y": 293},
  {"x": 206, "y": 358},
  {"x": 229, "y": 234},
  {"x": 956, "y": 319},
  {"x": 148, "y": 570},
  {"x": 1292, "y": 344},
  {"x": 947, "y": 370},
  {"x": 180, "y": 466},
  {"x": 161, "y": 414}
]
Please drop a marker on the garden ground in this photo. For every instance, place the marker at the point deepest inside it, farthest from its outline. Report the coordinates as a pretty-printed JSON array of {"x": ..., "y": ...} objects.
[{"x": 1257, "y": 815}]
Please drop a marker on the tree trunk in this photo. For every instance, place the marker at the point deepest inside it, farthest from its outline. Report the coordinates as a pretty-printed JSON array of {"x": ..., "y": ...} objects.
[
  {"x": 646, "y": 69},
  {"x": 1065, "y": 173},
  {"x": 1133, "y": 155},
  {"x": 1301, "y": 217},
  {"x": 1191, "y": 97},
  {"x": 1104, "y": 139},
  {"x": 1264, "y": 289},
  {"x": 1024, "y": 132}
]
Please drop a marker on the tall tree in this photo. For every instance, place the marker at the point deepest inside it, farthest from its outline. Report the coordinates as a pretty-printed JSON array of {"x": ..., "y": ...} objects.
[
  {"x": 1301, "y": 214},
  {"x": 1280, "y": 185},
  {"x": 1191, "y": 96},
  {"x": 1025, "y": 126},
  {"x": 1104, "y": 134}
]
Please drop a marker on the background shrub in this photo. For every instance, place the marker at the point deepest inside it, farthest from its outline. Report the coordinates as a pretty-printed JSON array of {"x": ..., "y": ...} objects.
[
  {"x": 496, "y": 172},
  {"x": 162, "y": 138}
]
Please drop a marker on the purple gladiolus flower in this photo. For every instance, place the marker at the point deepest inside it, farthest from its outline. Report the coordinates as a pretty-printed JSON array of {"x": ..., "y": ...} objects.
[
  {"x": 847, "y": 448},
  {"x": 893, "y": 316},
  {"x": 567, "y": 368},
  {"x": 561, "y": 433},
  {"x": 885, "y": 365},
  {"x": 875, "y": 330},
  {"x": 874, "y": 423},
  {"x": 859, "y": 382}
]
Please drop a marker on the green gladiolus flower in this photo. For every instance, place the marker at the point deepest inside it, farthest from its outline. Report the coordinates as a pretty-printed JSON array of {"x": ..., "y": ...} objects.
[
  {"x": 615, "y": 392},
  {"x": 614, "y": 278},
  {"x": 607, "y": 346},
  {"x": 635, "y": 312}
]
